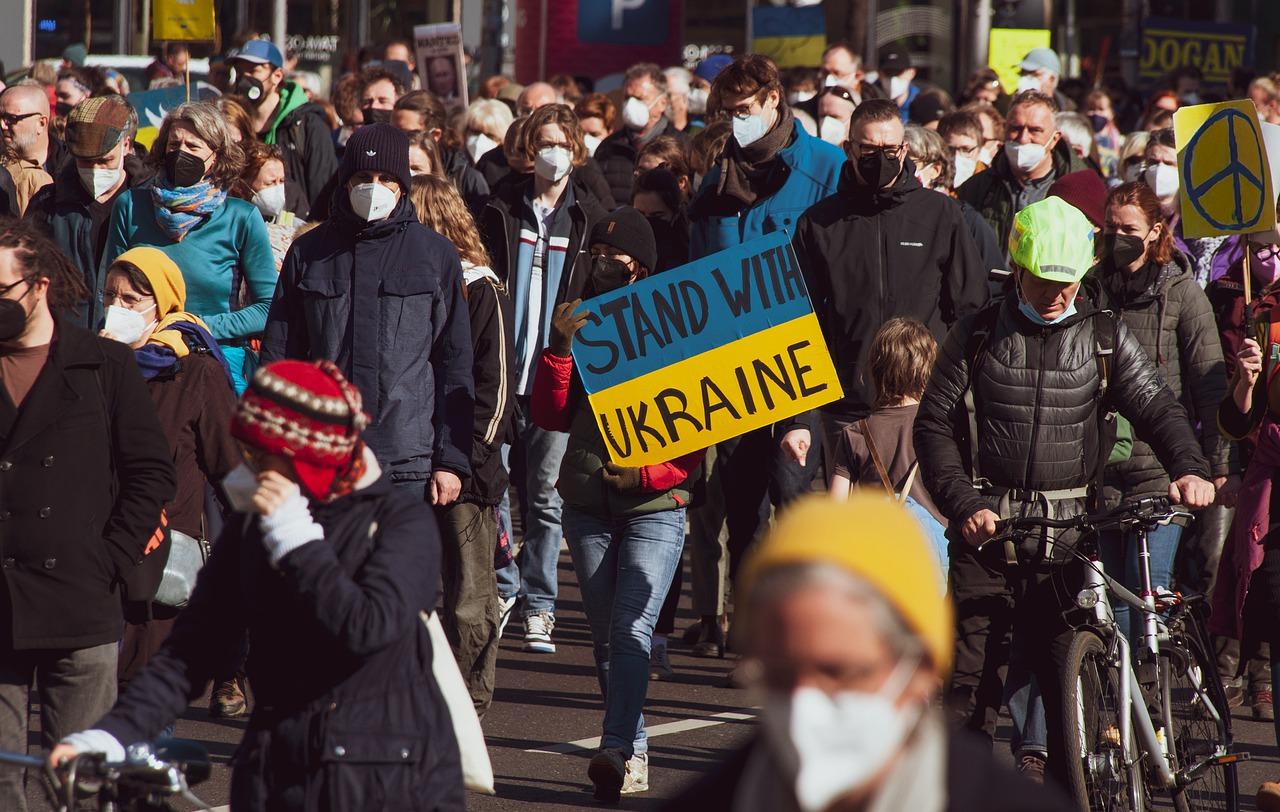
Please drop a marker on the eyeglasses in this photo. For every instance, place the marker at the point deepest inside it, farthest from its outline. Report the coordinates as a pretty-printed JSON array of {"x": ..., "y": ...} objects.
[
  {"x": 1265, "y": 252},
  {"x": 109, "y": 296},
  {"x": 888, "y": 150},
  {"x": 10, "y": 119}
]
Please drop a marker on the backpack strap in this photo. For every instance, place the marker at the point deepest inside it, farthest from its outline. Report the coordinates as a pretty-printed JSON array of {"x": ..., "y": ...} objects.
[
  {"x": 909, "y": 482},
  {"x": 975, "y": 351},
  {"x": 883, "y": 472}
]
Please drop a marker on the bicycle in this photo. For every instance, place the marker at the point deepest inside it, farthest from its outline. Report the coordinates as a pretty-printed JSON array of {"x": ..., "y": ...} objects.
[
  {"x": 148, "y": 778},
  {"x": 1116, "y": 753}
]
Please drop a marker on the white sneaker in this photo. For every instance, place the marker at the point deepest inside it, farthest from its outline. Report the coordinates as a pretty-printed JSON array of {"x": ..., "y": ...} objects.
[
  {"x": 505, "y": 605},
  {"x": 660, "y": 663},
  {"x": 637, "y": 777},
  {"x": 537, "y": 633}
]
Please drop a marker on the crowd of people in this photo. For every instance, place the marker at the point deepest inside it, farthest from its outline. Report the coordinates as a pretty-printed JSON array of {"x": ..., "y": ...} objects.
[{"x": 350, "y": 319}]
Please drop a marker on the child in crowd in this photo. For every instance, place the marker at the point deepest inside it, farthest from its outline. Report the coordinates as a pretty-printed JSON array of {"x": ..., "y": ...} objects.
[{"x": 878, "y": 450}]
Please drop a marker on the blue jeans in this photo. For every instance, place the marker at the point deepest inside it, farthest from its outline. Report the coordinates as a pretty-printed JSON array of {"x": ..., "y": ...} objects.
[
  {"x": 1119, "y": 553},
  {"x": 1026, "y": 706},
  {"x": 625, "y": 566},
  {"x": 538, "y": 455}
]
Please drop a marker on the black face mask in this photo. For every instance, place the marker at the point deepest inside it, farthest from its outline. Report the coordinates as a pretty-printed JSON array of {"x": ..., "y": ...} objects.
[
  {"x": 878, "y": 170},
  {"x": 62, "y": 109},
  {"x": 372, "y": 116},
  {"x": 251, "y": 89},
  {"x": 13, "y": 319},
  {"x": 1124, "y": 249},
  {"x": 183, "y": 168},
  {"x": 607, "y": 275},
  {"x": 1098, "y": 122}
]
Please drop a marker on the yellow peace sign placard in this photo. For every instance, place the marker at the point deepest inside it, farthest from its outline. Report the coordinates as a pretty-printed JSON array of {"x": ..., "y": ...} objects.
[{"x": 1224, "y": 180}]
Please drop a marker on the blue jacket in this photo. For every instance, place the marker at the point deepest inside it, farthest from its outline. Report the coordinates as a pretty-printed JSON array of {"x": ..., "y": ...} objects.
[
  {"x": 383, "y": 300},
  {"x": 812, "y": 169}
]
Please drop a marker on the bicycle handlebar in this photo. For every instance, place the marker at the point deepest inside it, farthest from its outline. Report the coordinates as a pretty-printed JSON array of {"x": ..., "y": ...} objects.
[{"x": 1150, "y": 510}]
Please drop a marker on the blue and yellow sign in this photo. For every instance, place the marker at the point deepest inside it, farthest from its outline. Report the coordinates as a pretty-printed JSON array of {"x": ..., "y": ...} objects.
[
  {"x": 154, "y": 105},
  {"x": 703, "y": 353},
  {"x": 792, "y": 36},
  {"x": 1224, "y": 178}
]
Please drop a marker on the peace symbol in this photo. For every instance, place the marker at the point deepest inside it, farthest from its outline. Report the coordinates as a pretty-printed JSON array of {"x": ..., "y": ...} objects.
[{"x": 1234, "y": 171}]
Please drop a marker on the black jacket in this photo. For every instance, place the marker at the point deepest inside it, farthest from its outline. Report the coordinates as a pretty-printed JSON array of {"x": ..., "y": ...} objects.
[
  {"x": 307, "y": 143},
  {"x": 84, "y": 472},
  {"x": 383, "y": 300},
  {"x": 347, "y": 714},
  {"x": 617, "y": 155},
  {"x": 870, "y": 255},
  {"x": 587, "y": 179},
  {"x": 466, "y": 178},
  {"x": 1036, "y": 398},
  {"x": 495, "y": 381}
]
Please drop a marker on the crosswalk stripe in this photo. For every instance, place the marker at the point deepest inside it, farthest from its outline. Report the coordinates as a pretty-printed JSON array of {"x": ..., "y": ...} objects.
[{"x": 654, "y": 731}]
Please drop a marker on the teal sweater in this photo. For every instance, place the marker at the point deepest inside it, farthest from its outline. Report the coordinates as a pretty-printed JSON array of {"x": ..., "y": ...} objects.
[{"x": 216, "y": 258}]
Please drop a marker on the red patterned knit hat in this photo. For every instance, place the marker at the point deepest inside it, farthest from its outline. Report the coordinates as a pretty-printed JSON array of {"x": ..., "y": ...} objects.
[{"x": 309, "y": 413}]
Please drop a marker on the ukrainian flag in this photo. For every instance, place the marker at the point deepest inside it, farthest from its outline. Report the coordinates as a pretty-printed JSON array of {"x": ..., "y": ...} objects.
[{"x": 792, "y": 37}]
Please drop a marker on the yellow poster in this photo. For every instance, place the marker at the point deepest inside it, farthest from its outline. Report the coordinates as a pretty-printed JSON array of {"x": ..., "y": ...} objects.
[
  {"x": 1008, "y": 46},
  {"x": 1223, "y": 175},
  {"x": 183, "y": 20}
]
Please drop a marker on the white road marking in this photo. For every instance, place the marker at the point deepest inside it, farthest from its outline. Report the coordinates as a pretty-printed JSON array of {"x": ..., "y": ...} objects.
[{"x": 653, "y": 731}]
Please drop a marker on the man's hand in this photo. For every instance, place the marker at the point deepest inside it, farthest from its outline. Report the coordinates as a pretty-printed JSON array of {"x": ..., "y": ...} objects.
[
  {"x": 273, "y": 489},
  {"x": 621, "y": 479},
  {"x": 1191, "y": 491},
  {"x": 1227, "y": 488},
  {"x": 445, "y": 487},
  {"x": 796, "y": 445},
  {"x": 565, "y": 324},
  {"x": 980, "y": 527}
]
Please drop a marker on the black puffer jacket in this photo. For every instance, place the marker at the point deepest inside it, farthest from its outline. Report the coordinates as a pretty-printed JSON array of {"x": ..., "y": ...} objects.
[
  {"x": 1173, "y": 322},
  {"x": 1037, "y": 399}
]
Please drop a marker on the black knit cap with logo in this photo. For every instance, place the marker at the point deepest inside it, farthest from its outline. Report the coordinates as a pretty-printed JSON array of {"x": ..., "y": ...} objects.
[
  {"x": 377, "y": 148},
  {"x": 627, "y": 230}
]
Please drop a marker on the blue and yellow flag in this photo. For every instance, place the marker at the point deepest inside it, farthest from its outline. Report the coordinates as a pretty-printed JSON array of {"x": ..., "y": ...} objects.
[{"x": 791, "y": 37}]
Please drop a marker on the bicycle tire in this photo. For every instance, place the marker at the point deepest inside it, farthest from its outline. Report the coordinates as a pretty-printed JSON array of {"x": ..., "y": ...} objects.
[
  {"x": 1192, "y": 733},
  {"x": 1097, "y": 775}
]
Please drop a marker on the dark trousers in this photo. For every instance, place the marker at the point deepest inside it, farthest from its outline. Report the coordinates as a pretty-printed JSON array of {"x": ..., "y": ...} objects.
[
  {"x": 994, "y": 602},
  {"x": 470, "y": 612},
  {"x": 76, "y": 688}
]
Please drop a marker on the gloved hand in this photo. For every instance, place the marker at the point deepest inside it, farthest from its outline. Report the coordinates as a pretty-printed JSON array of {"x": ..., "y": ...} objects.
[
  {"x": 565, "y": 324},
  {"x": 622, "y": 479},
  {"x": 86, "y": 741},
  {"x": 289, "y": 525}
]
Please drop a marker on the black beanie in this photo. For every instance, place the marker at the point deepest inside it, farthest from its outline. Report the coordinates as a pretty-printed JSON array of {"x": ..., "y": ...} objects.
[
  {"x": 627, "y": 230},
  {"x": 378, "y": 148}
]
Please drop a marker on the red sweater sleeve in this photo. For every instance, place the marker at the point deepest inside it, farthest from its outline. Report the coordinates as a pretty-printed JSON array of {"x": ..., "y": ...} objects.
[
  {"x": 666, "y": 475},
  {"x": 549, "y": 402}
]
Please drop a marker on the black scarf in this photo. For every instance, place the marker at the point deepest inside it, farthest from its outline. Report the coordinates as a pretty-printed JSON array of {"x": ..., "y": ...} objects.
[
  {"x": 746, "y": 172},
  {"x": 1125, "y": 287}
]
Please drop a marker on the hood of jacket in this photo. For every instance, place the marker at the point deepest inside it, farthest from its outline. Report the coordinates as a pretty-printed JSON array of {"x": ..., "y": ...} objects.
[
  {"x": 360, "y": 229},
  {"x": 292, "y": 99}
]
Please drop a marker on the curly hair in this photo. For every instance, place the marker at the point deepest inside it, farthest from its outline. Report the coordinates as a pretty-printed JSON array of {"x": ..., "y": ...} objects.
[
  {"x": 38, "y": 258},
  {"x": 441, "y": 208}
]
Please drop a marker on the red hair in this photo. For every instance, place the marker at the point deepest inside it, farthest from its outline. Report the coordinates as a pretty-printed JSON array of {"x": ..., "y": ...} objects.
[{"x": 1140, "y": 196}]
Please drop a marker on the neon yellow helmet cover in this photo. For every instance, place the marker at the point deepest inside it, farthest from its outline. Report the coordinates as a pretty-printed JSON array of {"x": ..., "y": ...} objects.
[{"x": 1052, "y": 240}]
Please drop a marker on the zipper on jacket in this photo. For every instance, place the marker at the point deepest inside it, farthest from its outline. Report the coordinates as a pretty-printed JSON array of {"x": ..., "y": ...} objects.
[{"x": 1035, "y": 414}]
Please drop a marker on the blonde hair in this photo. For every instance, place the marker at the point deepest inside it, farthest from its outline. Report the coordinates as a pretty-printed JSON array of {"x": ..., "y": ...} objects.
[
  {"x": 902, "y": 356},
  {"x": 441, "y": 208}
]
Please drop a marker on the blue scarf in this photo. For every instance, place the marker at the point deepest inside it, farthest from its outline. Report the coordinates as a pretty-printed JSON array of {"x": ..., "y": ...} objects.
[
  {"x": 153, "y": 359},
  {"x": 182, "y": 209}
]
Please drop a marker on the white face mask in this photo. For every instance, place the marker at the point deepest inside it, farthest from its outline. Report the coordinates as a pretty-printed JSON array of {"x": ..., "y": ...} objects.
[
  {"x": 987, "y": 154},
  {"x": 372, "y": 201},
  {"x": 270, "y": 201},
  {"x": 240, "y": 485},
  {"x": 830, "y": 80},
  {"x": 553, "y": 163},
  {"x": 898, "y": 86},
  {"x": 125, "y": 325},
  {"x": 635, "y": 114},
  {"x": 478, "y": 144},
  {"x": 833, "y": 745},
  {"x": 1163, "y": 180},
  {"x": 800, "y": 97},
  {"x": 748, "y": 129},
  {"x": 833, "y": 130},
  {"x": 698, "y": 101},
  {"x": 1028, "y": 82},
  {"x": 965, "y": 167},
  {"x": 1131, "y": 173},
  {"x": 1024, "y": 156},
  {"x": 99, "y": 181},
  {"x": 592, "y": 142}
]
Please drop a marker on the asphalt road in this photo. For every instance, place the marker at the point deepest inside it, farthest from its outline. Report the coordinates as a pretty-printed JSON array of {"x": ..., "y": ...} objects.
[{"x": 547, "y": 709}]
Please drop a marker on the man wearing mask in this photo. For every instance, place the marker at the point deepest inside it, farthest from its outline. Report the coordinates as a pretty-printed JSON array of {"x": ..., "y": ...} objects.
[
  {"x": 85, "y": 474},
  {"x": 882, "y": 247},
  {"x": 843, "y": 68},
  {"x": 1040, "y": 71},
  {"x": 379, "y": 90},
  {"x": 31, "y": 153},
  {"x": 1034, "y": 156},
  {"x": 369, "y": 265},
  {"x": 835, "y": 107},
  {"x": 422, "y": 111},
  {"x": 74, "y": 210},
  {"x": 678, "y": 91},
  {"x": 282, "y": 115},
  {"x": 769, "y": 172},
  {"x": 897, "y": 79},
  {"x": 537, "y": 94},
  {"x": 644, "y": 118},
  {"x": 852, "y": 641}
]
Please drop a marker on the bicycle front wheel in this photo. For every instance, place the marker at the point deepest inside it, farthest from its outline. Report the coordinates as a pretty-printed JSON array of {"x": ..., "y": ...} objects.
[
  {"x": 1099, "y": 778},
  {"x": 1191, "y": 684}
]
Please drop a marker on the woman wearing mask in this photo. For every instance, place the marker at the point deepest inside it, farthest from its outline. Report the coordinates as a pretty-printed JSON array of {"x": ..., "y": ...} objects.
[
  {"x": 1145, "y": 280},
  {"x": 326, "y": 570},
  {"x": 187, "y": 379},
  {"x": 624, "y": 526},
  {"x": 1208, "y": 255},
  {"x": 1133, "y": 154},
  {"x": 424, "y": 154},
  {"x": 281, "y": 202},
  {"x": 484, "y": 127},
  {"x": 535, "y": 229},
  {"x": 1106, "y": 135},
  {"x": 597, "y": 116},
  {"x": 220, "y": 242}
]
